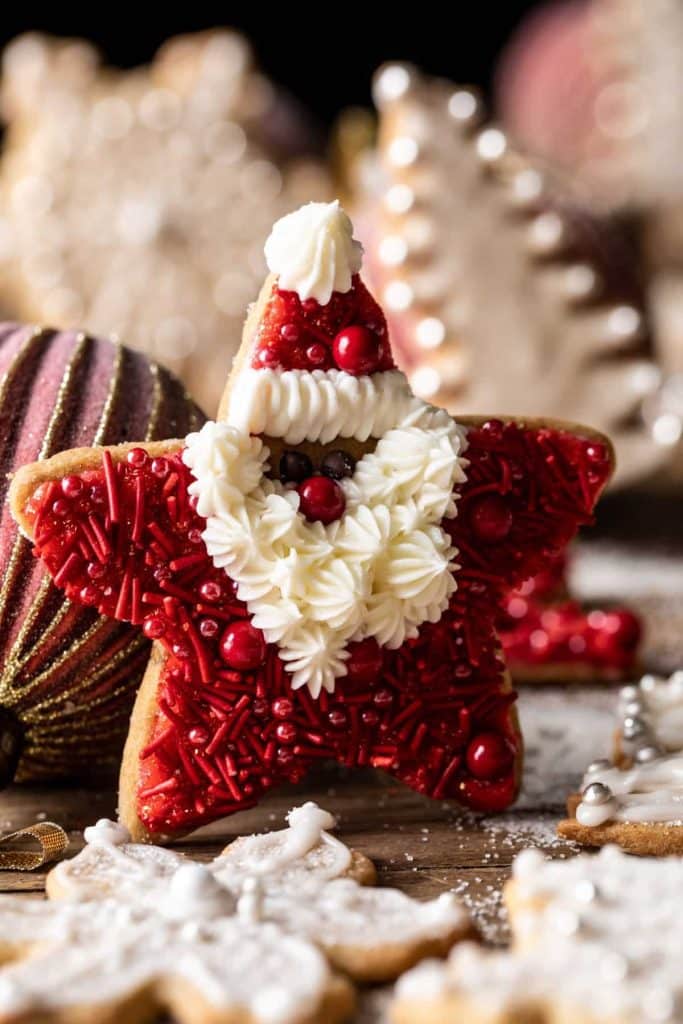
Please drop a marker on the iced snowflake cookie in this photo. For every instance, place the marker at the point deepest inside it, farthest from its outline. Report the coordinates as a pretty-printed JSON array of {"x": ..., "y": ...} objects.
[
  {"x": 301, "y": 878},
  {"x": 637, "y": 801},
  {"x": 322, "y": 568},
  {"x": 595, "y": 939}
]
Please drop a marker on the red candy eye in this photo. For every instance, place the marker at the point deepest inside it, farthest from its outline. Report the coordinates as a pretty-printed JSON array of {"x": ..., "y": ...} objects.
[
  {"x": 358, "y": 350},
  {"x": 321, "y": 499},
  {"x": 243, "y": 647}
]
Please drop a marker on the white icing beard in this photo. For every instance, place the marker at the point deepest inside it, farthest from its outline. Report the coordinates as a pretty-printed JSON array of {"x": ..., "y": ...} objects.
[
  {"x": 651, "y": 792},
  {"x": 383, "y": 569}
]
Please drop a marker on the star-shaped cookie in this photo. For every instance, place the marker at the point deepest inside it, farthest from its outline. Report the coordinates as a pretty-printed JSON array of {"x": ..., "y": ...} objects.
[{"x": 322, "y": 568}]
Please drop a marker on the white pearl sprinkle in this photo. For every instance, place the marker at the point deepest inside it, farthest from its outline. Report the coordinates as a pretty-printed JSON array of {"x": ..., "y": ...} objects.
[
  {"x": 425, "y": 381},
  {"x": 491, "y": 144},
  {"x": 399, "y": 198},
  {"x": 430, "y": 332},
  {"x": 624, "y": 322},
  {"x": 462, "y": 105},
  {"x": 546, "y": 232},
  {"x": 393, "y": 250},
  {"x": 403, "y": 151},
  {"x": 398, "y": 295},
  {"x": 392, "y": 83}
]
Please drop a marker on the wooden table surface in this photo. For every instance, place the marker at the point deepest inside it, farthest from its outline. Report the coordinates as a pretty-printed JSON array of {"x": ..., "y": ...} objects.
[{"x": 425, "y": 847}]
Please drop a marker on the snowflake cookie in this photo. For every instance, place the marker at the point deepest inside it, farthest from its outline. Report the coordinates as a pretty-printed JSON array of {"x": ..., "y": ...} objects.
[
  {"x": 322, "y": 569},
  {"x": 257, "y": 936},
  {"x": 596, "y": 938}
]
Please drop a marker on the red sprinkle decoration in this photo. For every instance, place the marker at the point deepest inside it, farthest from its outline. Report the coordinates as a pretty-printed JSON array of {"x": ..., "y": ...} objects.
[
  {"x": 435, "y": 713},
  {"x": 349, "y": 333}
]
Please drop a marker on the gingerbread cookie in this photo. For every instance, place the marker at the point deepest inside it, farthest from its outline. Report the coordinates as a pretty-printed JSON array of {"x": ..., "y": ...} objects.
[
  {"x": 596, "y": 938},
  {"x": 322, "y": 568},
  {"x": 171, "y": 173},
  {"x": 68, "y": 676},
  {"x": 301, "y": 879},
  {"x": 637, "y": 801}
]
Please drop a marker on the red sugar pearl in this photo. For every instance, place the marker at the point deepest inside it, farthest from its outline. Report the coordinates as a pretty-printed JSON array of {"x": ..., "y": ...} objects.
[
  {"x": 198, "y": 735},
  {"x": 72, "y": 486},
  {"x": 321, "y": 499},
  {"x": 358, "y": 350},
  {"x": 154, "y": 627},
  {"x": 290, "y": 333},
  {"x": 318, "y": 355},
  {"x": 384, "y": 698},
  {"x": 60, "y": 507},
  {"x": 160, "y": 467},
  {"x": 491, "y": 518},
  {"x": 283, "y": 707},
  {"x": 242, "y": 646},
  {"x": 96, "y": 570},
  {"x": 286, "y": 732},
  {"x": 488, "y": 756},
  {"x": 365, "y": 661},
  {"x": 88, "y": 595},
  {"x": 208, "y": 628},
  {"x": 136, "y": 457},
  {"x": 211, "y": 591},
  {"x": 337, "y": 718}
]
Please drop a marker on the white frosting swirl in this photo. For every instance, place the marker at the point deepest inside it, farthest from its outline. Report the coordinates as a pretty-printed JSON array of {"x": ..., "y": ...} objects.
[
  {"x": 299, "y": 405},
  {"x": 380, "y": 571},
  {"x": 313, "y": 251}
]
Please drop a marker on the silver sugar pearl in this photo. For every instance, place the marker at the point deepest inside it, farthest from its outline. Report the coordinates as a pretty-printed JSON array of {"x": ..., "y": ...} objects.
[
  {"x": 644, "y": 755},
  {"x": 598, "y": 766},
  {"x": 596, "y": 793},
  {"x": 628, "y": 693},
  {"x": 633, "y": 708},
  {"x": 633, "y": 727}
]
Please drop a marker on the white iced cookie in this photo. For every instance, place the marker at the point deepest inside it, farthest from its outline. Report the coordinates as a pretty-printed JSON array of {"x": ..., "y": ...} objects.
[
  {"x": 301, "y": 879},
  {"x": 595, "y": 939},
  {"x": 651, "y": 716}
]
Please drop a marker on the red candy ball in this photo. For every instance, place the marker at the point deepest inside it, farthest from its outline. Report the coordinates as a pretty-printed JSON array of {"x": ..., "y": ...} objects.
[
  {"x": 491, "y": 518},
  {"x": 243, "y": 647},
  {"x": 365, "y": 661},
  {"x": 321, "y": 499},
  {"x": 358, "y": 350},
  {"x": 488, "y": 756}
]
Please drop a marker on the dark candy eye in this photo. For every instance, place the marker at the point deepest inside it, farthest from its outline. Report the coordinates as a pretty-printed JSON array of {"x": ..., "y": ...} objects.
[
  {"x": 338, "y": 464},
  {"x": 295, "y": 467}
]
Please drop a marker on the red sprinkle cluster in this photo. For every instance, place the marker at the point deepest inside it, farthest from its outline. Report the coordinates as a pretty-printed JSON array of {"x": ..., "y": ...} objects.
[
  {"x": 544, "y": 631},
  {"x": 436, "y": 714},
  {"x": 349, "y": 333}
]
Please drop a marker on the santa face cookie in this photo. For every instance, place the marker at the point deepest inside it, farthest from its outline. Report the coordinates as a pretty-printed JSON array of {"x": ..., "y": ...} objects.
[
  {"x": 301, "y": 879},
  {"x": 322, "y": 568},
  {"x": 637, "y": 801},
  {"x": 595, "y": 939}
]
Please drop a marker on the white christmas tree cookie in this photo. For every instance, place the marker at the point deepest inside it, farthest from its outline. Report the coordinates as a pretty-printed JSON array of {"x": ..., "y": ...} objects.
[{"x": 596, "y": 939}]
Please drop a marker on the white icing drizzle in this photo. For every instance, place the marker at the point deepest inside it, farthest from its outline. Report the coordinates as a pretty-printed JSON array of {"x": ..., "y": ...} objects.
[
  {"x": 313, "y": 251},
  {"x": 596, "y": 937},
  {"x": 650, "y": 792},
  {"x": 321, "y": 405},
  {"x": 104, "y": 831},
  {"x": 194, "y": 891},
  {"x": 382, "y": 570}
]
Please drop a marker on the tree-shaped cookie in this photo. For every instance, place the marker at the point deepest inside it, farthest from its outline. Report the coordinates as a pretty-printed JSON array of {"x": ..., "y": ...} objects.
[
  {"x": 171, "y": 173},
  {"x": 322, "y": 568},
  {"x": 498, "y": 295}
]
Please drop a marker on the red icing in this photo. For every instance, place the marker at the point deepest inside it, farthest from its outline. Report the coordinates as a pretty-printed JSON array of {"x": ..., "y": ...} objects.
[
  {"x": 222, "y": 735},
  {"x": 542, "y": 628},
  {"x": 321, "y": 499},
  {"x": 295, "y": 335}
]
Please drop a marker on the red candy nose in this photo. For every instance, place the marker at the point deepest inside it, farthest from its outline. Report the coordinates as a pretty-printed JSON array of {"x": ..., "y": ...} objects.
[
  {"x": 321, "y": 499},
  {"x": 358, "y": 350},
  {"x": 243, "y": 647}
]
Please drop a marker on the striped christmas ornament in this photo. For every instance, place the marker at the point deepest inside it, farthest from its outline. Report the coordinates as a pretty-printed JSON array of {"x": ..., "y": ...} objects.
[{"x": 68, "y": 676}]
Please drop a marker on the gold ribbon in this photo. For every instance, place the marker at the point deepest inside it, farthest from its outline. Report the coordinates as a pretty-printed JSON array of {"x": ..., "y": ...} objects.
[{"x": 52, "y": 840}]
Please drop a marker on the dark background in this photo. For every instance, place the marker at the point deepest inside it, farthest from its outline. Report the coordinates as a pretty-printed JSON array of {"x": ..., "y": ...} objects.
[{"x": 324, "y": 55}]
